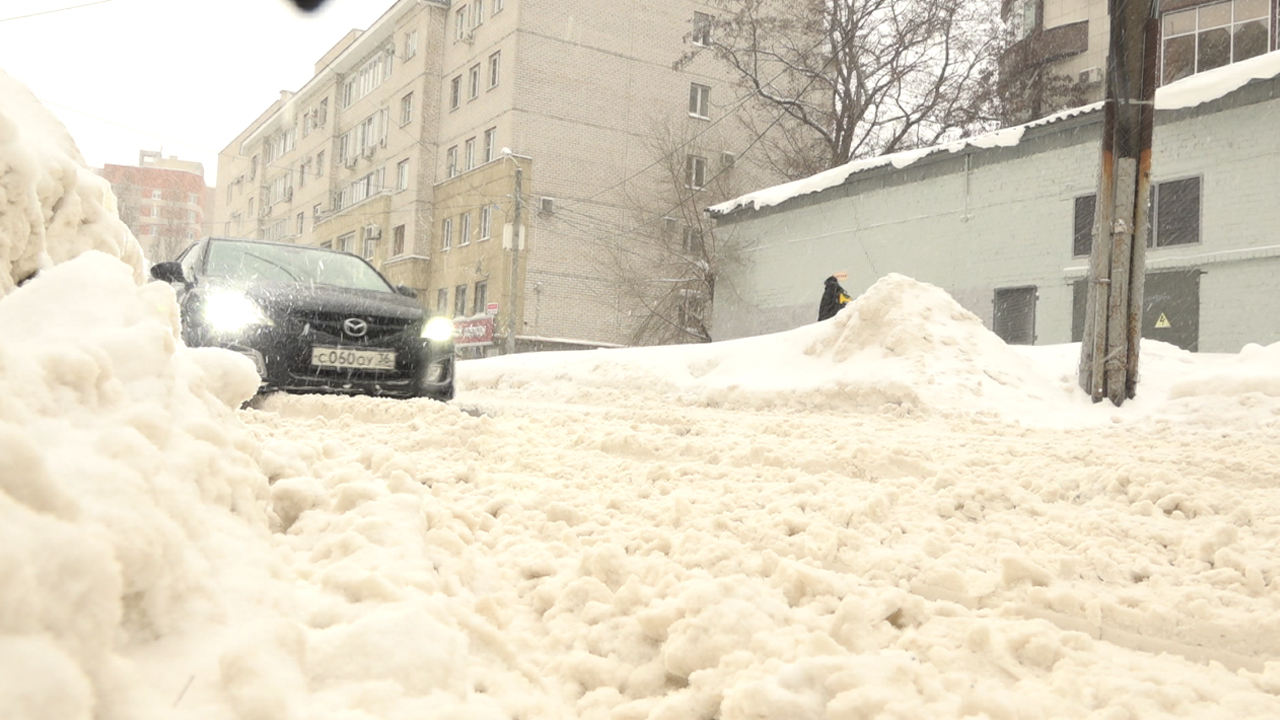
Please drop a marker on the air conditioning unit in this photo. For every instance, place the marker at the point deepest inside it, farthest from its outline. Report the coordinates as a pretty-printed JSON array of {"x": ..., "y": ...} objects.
[
  {"x": 549, "y": 205},
  {"x": 1091, "y": 76},
  {"x": 372, "y": 232}
]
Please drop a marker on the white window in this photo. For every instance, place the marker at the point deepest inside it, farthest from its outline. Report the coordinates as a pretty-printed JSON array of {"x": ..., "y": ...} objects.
[
  {"x": 370, "y": 246},
  {"x": 696, "y": 171},
  {"x": 455, "y": 93},
  {"x": 322, "y": 113},
  {"x": 302, "y": 222},
  {"x": 490, "y": 137},
  {"x": 406, "y": 109},
  {"x": 469, "y": 155},
  {"x": 320, "y": 163},
  {"x": 497, "y": 6},
  {"x": 446, "y": 234},
  {"x": 477, "y": 13},
  {"x": 410, "y": 44},
  {"x": 486, "y": 222},
  {"x": 460, "y": 23},
  {"x": 345, "y": 242},
  {"x": 495, "y": 67},
  {"x": 193, "y": 198},
  {"x": 701, "y": 29},
  {"x": 475, "y": 82},
  {"x": 397, "y": 240},
  {"x": 464, "y": 229},
  {"x": 451, "y": 161},
  {"x": 402, "y": 175},
  {"x": 156, "y": 194},
  {"x": 699, "y": 100}
]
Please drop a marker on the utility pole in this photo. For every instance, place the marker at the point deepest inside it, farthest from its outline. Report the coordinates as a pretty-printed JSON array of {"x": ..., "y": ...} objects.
[
  {"x": 513, "y": 310},
  {"x": 1117, "y": 262}
]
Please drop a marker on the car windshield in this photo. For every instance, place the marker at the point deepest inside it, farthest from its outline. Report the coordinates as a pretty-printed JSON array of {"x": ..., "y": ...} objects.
[{"x": 262, "y": 262}]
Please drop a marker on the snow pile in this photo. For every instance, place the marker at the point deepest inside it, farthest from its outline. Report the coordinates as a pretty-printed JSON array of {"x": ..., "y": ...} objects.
[
  {"x": 121, "y": 472},
  {"x": 52, "y": 207}
]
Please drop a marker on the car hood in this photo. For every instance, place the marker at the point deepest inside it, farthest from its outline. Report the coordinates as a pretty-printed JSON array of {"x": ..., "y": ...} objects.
[{"x": 293, "y": 297}]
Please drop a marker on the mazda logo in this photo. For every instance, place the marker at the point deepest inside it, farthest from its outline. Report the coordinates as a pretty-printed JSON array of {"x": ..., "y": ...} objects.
[{"x": 355, "y": 327}]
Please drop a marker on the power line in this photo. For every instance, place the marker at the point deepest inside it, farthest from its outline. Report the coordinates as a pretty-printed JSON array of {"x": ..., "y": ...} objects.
[{"x": 50, "y": 12}]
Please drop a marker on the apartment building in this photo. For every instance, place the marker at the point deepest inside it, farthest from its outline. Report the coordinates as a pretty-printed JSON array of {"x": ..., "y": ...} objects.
[
  {"x": 488, "y": 154},
  {"x": 1060, "y": 47},
  {"x": 163, "y": 200}
]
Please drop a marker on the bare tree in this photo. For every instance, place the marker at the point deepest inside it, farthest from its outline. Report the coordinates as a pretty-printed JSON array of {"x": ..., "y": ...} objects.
[
  {"x": 848, "y": 79},
  {"x": 667, "y": 268}
]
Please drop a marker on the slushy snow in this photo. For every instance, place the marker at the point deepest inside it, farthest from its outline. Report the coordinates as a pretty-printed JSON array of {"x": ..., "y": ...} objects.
[{"x": 890, "y": 514}]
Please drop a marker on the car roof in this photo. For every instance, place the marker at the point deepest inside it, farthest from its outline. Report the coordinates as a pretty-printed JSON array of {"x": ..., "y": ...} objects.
[{"x": 280, "y": 244}]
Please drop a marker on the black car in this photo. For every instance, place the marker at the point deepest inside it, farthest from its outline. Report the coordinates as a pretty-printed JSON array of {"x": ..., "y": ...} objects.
[{"x": 311, "y": 319}]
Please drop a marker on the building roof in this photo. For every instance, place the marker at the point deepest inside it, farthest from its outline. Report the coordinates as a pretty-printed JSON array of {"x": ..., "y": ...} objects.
[{"x": 1187, "y": 92}]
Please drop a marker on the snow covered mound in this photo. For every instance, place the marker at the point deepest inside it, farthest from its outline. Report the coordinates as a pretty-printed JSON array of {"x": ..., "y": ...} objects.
[
  {"x": 122, "y": 469},
  {"x": 52, "y": 207},
  {"x": 914, "y": 335}
]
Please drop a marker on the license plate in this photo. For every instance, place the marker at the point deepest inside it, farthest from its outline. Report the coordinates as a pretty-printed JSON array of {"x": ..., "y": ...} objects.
[{"x": 348, "y": 359}]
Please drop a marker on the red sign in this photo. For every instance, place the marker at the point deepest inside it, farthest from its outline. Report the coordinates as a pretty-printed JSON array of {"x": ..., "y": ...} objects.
[{"x": 473, "y": 331}]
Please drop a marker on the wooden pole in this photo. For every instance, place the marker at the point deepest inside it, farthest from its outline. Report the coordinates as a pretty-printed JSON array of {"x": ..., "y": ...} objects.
[{"x": 1117, "y": 263}]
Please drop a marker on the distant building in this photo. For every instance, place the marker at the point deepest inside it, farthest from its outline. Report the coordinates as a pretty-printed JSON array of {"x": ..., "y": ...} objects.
[
  {"x": 1060, "y": 47},
  {"x": 396, "y": 150},
  {"x": 1005, "y": 223},
  {"x": 163, "y": 201}
]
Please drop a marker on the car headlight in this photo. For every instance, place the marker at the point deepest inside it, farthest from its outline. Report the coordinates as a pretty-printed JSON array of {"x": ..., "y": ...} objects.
[
  {"x": 230, "y": 311},
  {"x": 438, "y": 329}
]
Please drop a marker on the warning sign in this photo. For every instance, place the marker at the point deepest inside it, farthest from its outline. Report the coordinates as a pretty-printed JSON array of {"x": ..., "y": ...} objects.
[{"x": 1163, "y": 322}]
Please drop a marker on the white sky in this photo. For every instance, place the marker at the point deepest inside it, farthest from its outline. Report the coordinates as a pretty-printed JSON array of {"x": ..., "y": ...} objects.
[{"x": 181, "y": 75}]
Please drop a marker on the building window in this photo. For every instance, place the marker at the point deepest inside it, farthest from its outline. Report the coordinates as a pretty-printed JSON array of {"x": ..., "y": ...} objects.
[
  {"x": 320, "y": 164},
  {"x": 451, "y": 161},
  {"x": 1174, "y": 218},
  {"x": 1210, "y": 36},
  {"x": 474, "y": 87},
  {"x": 446, "y": 234},
  {"x": 345, "y": 242},
  {"x": 699, "y": 100},
  {"x": 460, "y": 301},
  {"x": 696, "y": 171},
  {"x": 406, "y": 109},
  {"x": 455, "y": 93},
  {"x": 253, "y": 167},
  {"x": 460, "y": 23},
  {"x": 193, "y": 199},
  {"x": 1086, "y": 208},
  {"x": 701, "y": 29},
  {"x": 402, "y": 175},
  {"x": 250, "y": 208},
  {"x": 495, "y": 69},
  {"x": 322, "y": 114},
  {"x": 497, "y": 6},
  {"x": 486, "y": 222},
  {"x": 442, "y": 300},
  {"x": 410, "y": 44},
  {"x": 490, "y": 136},
  {"x": 304, "y": 169},
  {"x": 302, "y": 221},
  {"x": 469, "y": 154},
  {"x": 464, "y": 229},
  {"x": 370, "y": 247},
  {"x": 477, "y": 13},
  {"x": 1014, "y": 315},
  {"x": 156, "y": 194},
  {"x": 397, "y": 241},
  {"x": 482, "y": 297}
]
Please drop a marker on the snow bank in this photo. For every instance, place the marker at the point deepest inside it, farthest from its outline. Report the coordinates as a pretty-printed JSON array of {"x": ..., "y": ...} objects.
[
  {"x": 52, "y": 207},
  {"x": 121, "y": 473}
]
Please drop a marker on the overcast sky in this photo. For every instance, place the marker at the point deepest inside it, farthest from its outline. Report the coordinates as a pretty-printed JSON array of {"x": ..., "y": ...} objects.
[{"x": 179, "y": 75}]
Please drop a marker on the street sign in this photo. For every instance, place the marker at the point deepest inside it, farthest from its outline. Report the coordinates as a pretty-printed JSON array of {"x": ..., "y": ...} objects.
[
  {"x": 491, "y": 309},
  {"x": 473, "y": 331}
]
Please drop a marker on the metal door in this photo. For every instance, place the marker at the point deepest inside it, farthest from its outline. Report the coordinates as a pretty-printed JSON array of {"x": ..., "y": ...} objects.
[
  {"x": 1014, "y": 319},
  {"x": 1170, "y": 308}
]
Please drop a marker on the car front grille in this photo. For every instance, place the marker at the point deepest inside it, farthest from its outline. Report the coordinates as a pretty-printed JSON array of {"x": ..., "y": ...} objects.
[{"x": 330, "y": 323}]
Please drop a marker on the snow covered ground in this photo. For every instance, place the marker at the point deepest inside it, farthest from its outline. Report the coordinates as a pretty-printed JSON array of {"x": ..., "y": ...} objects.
[{"x": 890, "y": 514}]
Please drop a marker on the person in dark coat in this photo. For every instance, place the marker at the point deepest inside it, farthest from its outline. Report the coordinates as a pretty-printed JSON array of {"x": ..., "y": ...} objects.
[{"x": 834, "y": 297}]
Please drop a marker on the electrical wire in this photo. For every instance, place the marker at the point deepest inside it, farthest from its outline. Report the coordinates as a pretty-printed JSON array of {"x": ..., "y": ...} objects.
[{"x": 50, "y": 12}]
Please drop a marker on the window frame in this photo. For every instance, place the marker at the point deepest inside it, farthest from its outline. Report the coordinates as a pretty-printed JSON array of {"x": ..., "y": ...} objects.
[
  {"x": 402, "y": 175},
  {"x": 460, "y": 301},
  {"x": 455, "y": 93},
  {"x": 701, "y": 33},
  {"x": 488, "y": 146},
  {"x": 700, "y": 101},
  {"x": 397, "y": 240},
  {"x": 486, "y": 222},
  {"x": 473, "y": 82},
  {"x": 406, "y": 109},
  {"x": 446, "y": 234},
  {"x": 695, "y": 172},
  {"x": 495, "y": 69},
  {"x": 464, "y": 229}
]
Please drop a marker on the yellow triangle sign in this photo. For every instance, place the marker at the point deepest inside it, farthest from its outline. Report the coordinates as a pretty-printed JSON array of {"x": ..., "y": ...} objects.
[{"x": 1163, "y": 322}]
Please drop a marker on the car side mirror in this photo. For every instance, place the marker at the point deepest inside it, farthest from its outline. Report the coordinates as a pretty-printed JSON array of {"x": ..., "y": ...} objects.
[
  {"x": 170, "y": 272},
  {"x": 406, "y": 291}
]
